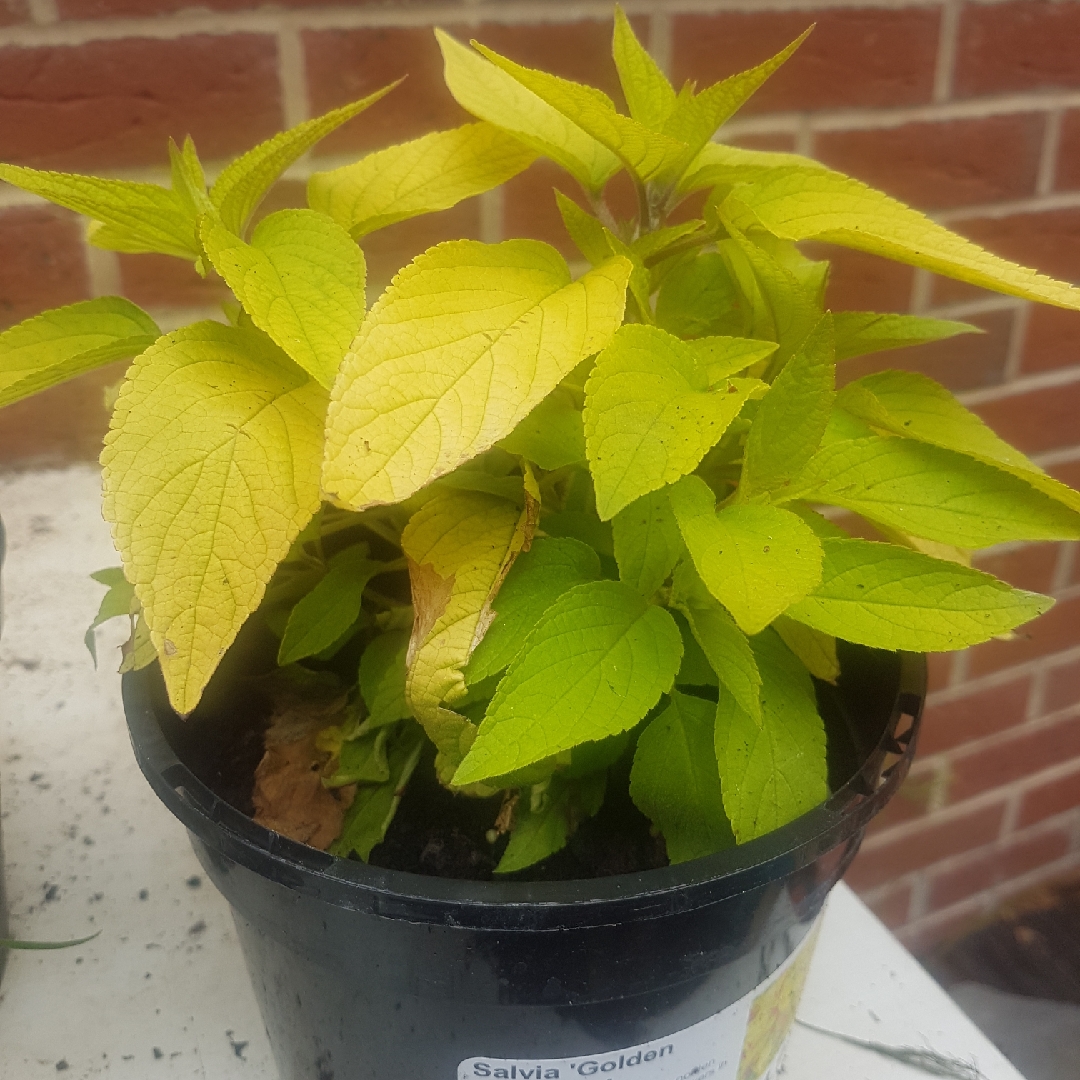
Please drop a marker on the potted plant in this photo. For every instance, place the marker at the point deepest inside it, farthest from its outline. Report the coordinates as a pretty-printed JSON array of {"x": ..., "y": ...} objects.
[{"x": 523, "y": 574}]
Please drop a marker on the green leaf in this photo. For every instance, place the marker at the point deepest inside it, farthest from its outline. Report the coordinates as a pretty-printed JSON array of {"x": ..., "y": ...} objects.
[
  {"x": 14, "y": 943},
  {"x": 491, "y": 94},
  {"x": 119, "y": 600},
  {"x": 725, "y": 646},
  {"x": 598, "y": 660},
  {"x": 727, "y": 356},
  {"x": 695, "y": 669},
  {"x": 583, "y": 526},
  {"x": 552, "y": 435},
  {"x": 328, "y": 611},
  {"x": 916, "y": 407},
  {"x": 646, "y": 153},
  {"x": 799, "y": 203},
  {"x": 465, "y": 343},
  {"x": 382, "y": 679},
  {"x": 816, "y": 650},
  {"x": 373, "y": 807},
  {"x": 862, "y": 332},
  {"x": 721, "y": 166},
  {"x": 891, "y": 598},
  {"x": 551, "y": 814},
  {"x": 648, "y": 93},
  {"x": 773, "y": 773},
  {"x": 537, "y": 579},
  {"x": 933, "y": 493},
  {"x": 65, "y": 342},
  {"x": 301, "y": 279},
  {"x": 362, "y": 759},
  {"x": 139, "y": 217},
  {"x": 675, "y": 781},
  {"x": 791, "y": 419},
  {"x": 648, "y": 543},
  {"x": 699, "y": 297},
  {"x": 211, "y": 469},
  {"x": 649, "y": 414},
  {"x": 427, "y": 174},
  {"x": 587, "y": 232},
  {"x": 460, "y": 546},
  {"x": 138, "y": 651},
  {"x": 756, "y": 560},
  {"x": 242, "y": 184}
]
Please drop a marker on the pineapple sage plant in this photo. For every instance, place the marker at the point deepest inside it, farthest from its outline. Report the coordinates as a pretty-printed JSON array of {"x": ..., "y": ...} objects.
[{"x": 543, "y": 516}]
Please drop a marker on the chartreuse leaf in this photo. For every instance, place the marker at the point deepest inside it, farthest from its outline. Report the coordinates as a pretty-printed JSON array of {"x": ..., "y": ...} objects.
[
  {"x": 727, "y": 356},
  {"x": 211, "y": 469},
  {"x": 675, "y": 781},
  {"x": 648, "y": 543},
  {"x": 695, "y": 669},
  {"x": 547, "y": 816},
  {"x": 427, "y": 174},
  {"x": 552, "y": 435},
  {"x": 700, "y": 297},
  {"x": 240, "y": 188},
  {"x": 62, "y": 343},
  {"x": 647, "y": 153},
  {"x": 537, "y": 579},
  {"x": 774, "y": 772},
  {"x": 597, "y": 661},
  {"x": 326, "y": 612},
  {"x": 460, "y": 546},
  {"x": 188, "y": 178},
  {"x": 362, "y": 759},
  {"x": 301, "y": 279},
  {"x": 464, "y": 344},
  {"x": 918, "y": 408},
  {"x": 721, "y": 166},
  {"x": 756, "y": 560},
  {"x": 932, "y": 493},
  {"x": 587, "y": 232},
  {"x": 695, "y": 118},
  {"x": 491, "y": 94},
  {"x": 891, "y": 598},
  {"x": 119, "y": 600},
  {"x": 862, "y": 332},
  {"x": 791, "y": 419},
  {"x": 373, "y": 807},
  {"x": 650, "y": 416},
  {"x": 136, "y": 217},
  {"x": 816, "y": 650},
  {"x": 797, "y": 203},
  {"x": 725, "y": 646},
  {"x": 12, "y": 943},
  {"x": 382, "y": 679},
  {"x": 648, "y": 93}
]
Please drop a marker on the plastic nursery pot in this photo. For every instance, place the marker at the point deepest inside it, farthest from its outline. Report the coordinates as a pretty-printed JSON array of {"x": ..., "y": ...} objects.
[{"x": 689, "y": 970}]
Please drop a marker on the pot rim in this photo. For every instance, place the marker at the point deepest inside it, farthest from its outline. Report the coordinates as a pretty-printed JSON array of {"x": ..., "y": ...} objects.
[{"x": 530, "y": 905}]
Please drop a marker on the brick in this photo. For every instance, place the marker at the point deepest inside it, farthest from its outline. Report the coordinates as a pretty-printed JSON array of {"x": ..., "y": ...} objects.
[
  {"x": 968, "y": 362},
  {"x": 937, "y": 166},
  {"x": 115, "y": 103},
  {"x": 161, "y": 281},
  {"x": 1062, "y": 689},
  {"x": 858, "y": 57},
  {"x": 13, "y": 11},
  {"x": 63, "y": 424},
  {"x": 1038, "y": 420},
  {"x": 1022, "y": 45},
  {"x": 939, "y": 670},
  {"x": 910, "y": 802},
  {"x": 937, "y": 838},
  {"x": 861, "y": 282},
  {"x": 929, "y": 935},
  {"x": 1050, "y": 798},
  {"x": 1026, "y": 751},
  {"x": 102, "y": 9},
  {"x": 1052, "y": 339},
  {"x": 891, "y": 905},
  {"x": 1031, "y": 566},
  {"x": 985, "y": 870},
  {"x": 1048, "y": 240},
  {"x": 1068, "y": 472},
  {"x": 1057, "y": 630},
  {"x": 975, "y": 715},
  {"x": 781, "y": 141},
  {"x": 42, "y": 262}
]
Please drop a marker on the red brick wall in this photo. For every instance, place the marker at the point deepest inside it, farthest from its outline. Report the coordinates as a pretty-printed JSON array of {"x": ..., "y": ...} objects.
[{"x": 967, "y": 108}]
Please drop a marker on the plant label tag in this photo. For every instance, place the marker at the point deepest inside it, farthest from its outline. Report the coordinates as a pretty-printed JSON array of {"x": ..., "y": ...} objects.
[{"x": 742, "y": 1042}]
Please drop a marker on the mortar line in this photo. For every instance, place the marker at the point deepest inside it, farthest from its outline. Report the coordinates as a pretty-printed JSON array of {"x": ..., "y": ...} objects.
[
  {"x": 1048, "y": 155},
  {"x": 491, "y": 215},
  {"x": 662, "y": 41},
  {"x": 103, "y": 271},
  {"x": 1066, "y": 562},
  {"x": 43, "y": 12},
  {"x": 1049, "y": 380},
  {"x": 1035, "y": 204},
  {"x": 1051, "y": 458},
  {"x": 292, "y": 75},
  {"x": 922, "y": 284},
  {"x": 946, "y": 55},
  {"x": 1014, "y": 350},
  {"x": 1001, "y": 676}
]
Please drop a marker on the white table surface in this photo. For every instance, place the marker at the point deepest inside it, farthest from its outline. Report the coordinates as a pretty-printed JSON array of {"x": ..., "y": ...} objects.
[{"x": 163, "y": 992}]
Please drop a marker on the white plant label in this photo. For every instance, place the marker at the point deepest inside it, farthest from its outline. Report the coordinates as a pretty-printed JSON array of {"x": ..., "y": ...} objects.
[{"x": 742, "y": 1042}]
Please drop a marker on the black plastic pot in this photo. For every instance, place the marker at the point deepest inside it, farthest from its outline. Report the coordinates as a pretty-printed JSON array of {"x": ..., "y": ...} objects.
[{"x": 371, "y": 974}]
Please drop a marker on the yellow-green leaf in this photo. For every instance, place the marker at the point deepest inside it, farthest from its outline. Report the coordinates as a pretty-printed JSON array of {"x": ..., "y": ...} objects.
[
  {"x": 301, "y": 279},
  {"x": 862, "y": 332},
  {"x": 650, "y": 416},
  {"x": 490, "y": 94},
  {"x": 464, "y": 344},
  {"x": 552, "y": 435},
  {"x": 816, "y": 650},
  {"x": 211, "y": 469},
  {"x": 62, "y": 343},
  {"x": 382, "y": 679},
  {"x": 431, "y": 173},
  {"x": 721, "y": 166},
  {"x": 647, "y": 542},
  {"x": 242, "y": 184},
  {"x": 797, "y": 203},
  {"x": 460, "y": 546},
  {"x": 647, "y": 91},
  {"x": 726, "y": 356}
]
